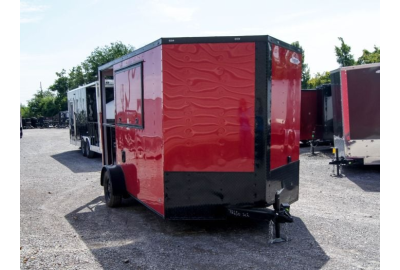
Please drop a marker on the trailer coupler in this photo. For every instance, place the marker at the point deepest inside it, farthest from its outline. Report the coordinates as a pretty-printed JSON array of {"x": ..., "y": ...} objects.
[
  {"x": 280, "y": 214},
  {"x": 338, "y": 162}
]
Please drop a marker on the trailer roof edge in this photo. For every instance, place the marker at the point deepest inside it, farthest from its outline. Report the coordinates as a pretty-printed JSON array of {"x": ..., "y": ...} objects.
[
  {"x": 91, "y": 84},
  {"x": 189, "y": 40},
  {"x": 356, "y": 67},
  {"x": 131, "y": 54}
]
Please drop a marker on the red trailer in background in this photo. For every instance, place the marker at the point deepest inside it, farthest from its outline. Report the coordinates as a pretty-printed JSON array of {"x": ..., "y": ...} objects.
[
  {"x": 311, "y": 127},
  {"x": 205, "y": 127},
  {"x": 316, "y": 115},
  {"x": 356, "y": 113}
]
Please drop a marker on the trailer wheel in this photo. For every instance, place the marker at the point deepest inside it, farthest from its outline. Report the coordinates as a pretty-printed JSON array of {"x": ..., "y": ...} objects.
[
  {"x": 83, "y": 148},
  {"x": 89, "y": 153},
  {"x": 111, "y": 200}
]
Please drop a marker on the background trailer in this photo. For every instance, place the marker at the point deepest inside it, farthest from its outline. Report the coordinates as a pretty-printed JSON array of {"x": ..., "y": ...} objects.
[
  {"x": 203, "y": 124},
  {"x": 83, "y": 111},
  {"x": 316, "y": 114},
  {"x": 356, "y": 112}
]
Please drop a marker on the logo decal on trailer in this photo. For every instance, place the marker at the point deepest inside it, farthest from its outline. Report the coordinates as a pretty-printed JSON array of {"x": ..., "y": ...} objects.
[{"x": 294, "y": 60}]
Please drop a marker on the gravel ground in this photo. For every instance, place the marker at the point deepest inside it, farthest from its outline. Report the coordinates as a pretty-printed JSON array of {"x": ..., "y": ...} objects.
[{"x": 64, "y": 223}]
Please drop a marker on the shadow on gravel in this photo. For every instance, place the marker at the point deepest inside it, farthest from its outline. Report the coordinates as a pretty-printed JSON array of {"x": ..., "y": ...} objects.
[
  {"x": 319, "y": 150},
  {"x": 133, "y": 237},
  {"x": 366, "y": 177},
  {"x": 77, "y": 163}
]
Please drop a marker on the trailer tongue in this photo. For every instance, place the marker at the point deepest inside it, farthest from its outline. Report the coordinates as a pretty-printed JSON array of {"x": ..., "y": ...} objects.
[{"x": 276, "y": 217}]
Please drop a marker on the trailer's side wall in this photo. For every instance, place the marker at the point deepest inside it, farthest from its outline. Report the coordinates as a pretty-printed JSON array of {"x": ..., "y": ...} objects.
[
  {"x": 285, "y": 106},
  {"x": 138, "y": 92},
  {"x": 209, "y": 96},
  {"x": 364, "y": 103},
  {"x": 345, "y": 105}
]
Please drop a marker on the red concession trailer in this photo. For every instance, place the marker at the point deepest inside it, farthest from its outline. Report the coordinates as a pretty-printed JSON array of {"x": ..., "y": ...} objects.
[
  {"x": 356, "y": 113},
  {"x": 316, "y": 114},
  {"x": 204, "y": 124}
]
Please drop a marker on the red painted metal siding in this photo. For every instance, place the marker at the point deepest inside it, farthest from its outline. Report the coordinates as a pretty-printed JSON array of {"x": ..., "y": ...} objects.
[
  {"x": 364, "y": 112},
  {"x": 143, "y": 168},
  {"x": 285, "y": 106},
  {"x": 311, "y": 115},
  {"x": 308, "y": 114},
  {"x": 345, "y": 105},
  {"x": 209, "y": 93}
]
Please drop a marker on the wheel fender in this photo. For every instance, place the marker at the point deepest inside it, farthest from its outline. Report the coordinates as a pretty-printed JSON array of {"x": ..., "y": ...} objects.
[{"x": 117, "y": 178}]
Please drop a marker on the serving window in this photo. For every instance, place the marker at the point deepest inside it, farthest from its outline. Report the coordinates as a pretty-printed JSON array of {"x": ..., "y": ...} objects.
[{"x": 129, "y": 96}]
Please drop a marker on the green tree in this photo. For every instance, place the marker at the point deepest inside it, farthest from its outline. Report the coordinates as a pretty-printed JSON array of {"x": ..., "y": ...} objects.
[
  {"x": 60, "y": 85},
  {"x": 61, "y": 102},
  {"x": 49, "y": 106},
  {"x": 305, "y": 70},
  {"x": 370, "y": 57},
  {"x": 76, "y": 77},
  {"x": 25, "y": 111},
  {"x": 86, "y": 72},
  {"x": 42, "y": 104},
  {"x": 343, "y": 56},
  {"x": 101, "y": 56},
  {"x": 320, "y": 78}
]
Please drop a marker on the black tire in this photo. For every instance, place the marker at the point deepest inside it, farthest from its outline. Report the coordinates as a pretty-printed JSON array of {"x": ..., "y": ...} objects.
[
  {"x": 89, "y": 153},
  {"x": 111, "y": 200},
  {"x": 83, "y": 148}
]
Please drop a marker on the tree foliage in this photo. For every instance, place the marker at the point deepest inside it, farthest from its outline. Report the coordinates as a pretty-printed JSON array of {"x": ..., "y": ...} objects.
[
  {"x": 343, "y": 55},
  {"x": 87, "y": 71},
  {"x": 305, "y": 70},
  {"x": 48, "y": 103},
  {"x": 60, "y": 85},
  {"x": 42, "y": 104},
  {"x": 320, "y": 78},
  {"x": 101, "y": 56},
  {"x": 25, "y": 112},
  {"x": 76, "y": 77},
  {"x": 370, "y": 57}
]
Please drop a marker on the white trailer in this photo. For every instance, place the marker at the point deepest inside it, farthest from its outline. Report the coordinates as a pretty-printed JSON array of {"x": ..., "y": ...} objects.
[
  {"x": 356, "y": 113},
  {"x": 85, "y": 113}
]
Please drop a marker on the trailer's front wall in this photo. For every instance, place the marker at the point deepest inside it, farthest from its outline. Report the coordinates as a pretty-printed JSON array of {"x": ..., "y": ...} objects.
[
  {"x": 364, "y": 102},
  {"x": 143, "y": 168},
  {"x": 285, "y": 106},
  {"x": 78, "y": 114},
  {"x": 209, "y": 95},
  {"x": 356, "y": 95},
  {"x": 311, "y": 115}
]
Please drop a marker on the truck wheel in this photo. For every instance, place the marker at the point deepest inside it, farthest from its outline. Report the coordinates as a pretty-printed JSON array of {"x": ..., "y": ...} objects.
[
  {"x": 83, "y": 148},
  {"x": 111, "y": 200},
  {"x": 89, "y": 153}
]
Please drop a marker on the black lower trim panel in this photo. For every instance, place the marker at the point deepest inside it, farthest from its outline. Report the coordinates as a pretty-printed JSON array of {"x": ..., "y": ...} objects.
[{"x": 205, "y": 195}]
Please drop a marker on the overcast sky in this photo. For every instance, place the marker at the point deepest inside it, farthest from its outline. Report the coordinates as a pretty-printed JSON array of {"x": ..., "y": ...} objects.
[{"x": 61, "y": 34}]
